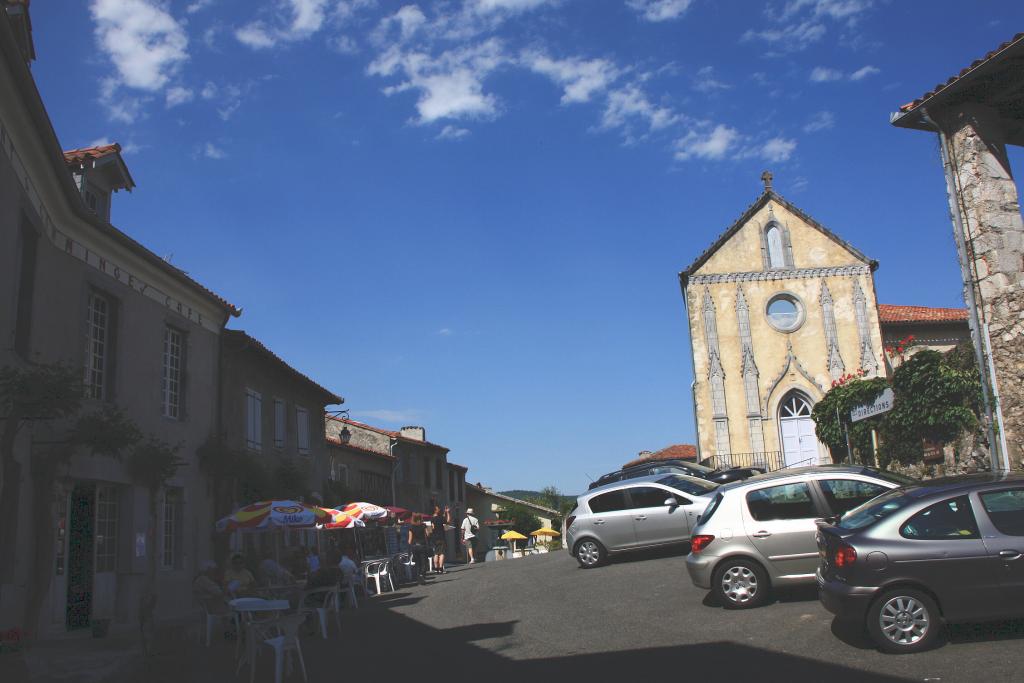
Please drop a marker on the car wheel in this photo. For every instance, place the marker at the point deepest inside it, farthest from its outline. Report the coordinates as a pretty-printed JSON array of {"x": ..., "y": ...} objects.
[
  {"x": 904, "y": 620},
  {"x": 740, "y": 584},
  {"x": 589, "y": 553}
]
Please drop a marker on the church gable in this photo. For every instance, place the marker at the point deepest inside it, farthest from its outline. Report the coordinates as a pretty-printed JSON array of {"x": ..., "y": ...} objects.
[{"x": 774, "y": 235}]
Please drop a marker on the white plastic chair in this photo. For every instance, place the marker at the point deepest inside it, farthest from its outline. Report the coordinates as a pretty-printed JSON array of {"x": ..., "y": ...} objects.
[
  {"x": 376, "y": 571},
  {"x": 212, "y": 620},
  {"x": 348, "y": 587},
  {"x": 285, "y": 644},
  {"x": 320, "y": 601}
]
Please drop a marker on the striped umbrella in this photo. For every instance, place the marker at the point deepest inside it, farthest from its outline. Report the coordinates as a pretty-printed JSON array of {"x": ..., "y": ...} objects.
[
  {"x": 341, "y": 520},
  {"x": 365, "y": 511},
  {"x": 268, "y": 514}
]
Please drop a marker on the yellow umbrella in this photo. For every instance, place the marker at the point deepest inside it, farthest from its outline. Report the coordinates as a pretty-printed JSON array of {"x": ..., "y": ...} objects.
[
  {"x": 512, "y": 535},
  {"x": 545, "y": 531}
]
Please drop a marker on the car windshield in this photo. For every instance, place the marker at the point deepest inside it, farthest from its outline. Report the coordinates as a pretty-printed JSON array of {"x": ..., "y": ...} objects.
[
  {"x": 895, "y": 478},
  {"x": 703, "y": 469},
  {"x": 695, "y": 487},
  {"x": 876, "y": 509}
]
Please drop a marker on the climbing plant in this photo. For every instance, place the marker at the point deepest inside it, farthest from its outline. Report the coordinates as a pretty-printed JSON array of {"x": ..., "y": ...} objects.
[{"x": 831, "y": 417}]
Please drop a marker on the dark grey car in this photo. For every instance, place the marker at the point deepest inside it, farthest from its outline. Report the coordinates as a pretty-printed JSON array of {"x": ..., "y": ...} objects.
[{"x": 945, "y": 550}]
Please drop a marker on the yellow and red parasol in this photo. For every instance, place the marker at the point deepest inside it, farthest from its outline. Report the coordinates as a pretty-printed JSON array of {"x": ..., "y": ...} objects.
[
  {"x": 268, "y": 514},
  {"x": 355, "y": 514}
]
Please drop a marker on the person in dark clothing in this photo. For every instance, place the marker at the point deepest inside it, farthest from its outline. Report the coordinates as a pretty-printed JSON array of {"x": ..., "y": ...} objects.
[
  {"x": 437, "y": 536},
  {"x": 418, "y": 546}
]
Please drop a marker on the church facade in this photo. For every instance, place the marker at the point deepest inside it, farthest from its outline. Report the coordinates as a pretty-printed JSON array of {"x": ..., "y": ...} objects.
[{"x": 778, "y": 307}]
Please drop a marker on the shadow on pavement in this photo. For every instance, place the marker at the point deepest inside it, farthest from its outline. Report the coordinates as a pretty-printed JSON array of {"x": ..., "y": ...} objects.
[
  {"x": 653, "y": 554},
  {"x": 378, "y": 643}
]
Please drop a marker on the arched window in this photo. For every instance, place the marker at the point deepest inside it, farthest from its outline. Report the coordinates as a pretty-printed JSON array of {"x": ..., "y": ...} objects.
[{"x": 776, "y": 251}]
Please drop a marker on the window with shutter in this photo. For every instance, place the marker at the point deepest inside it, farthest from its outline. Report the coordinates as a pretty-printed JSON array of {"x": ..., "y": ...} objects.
[
  {"x": 279, "y": 424},
  {"x": 302, "y": 429},
  {"x": 253, "y": 420}
]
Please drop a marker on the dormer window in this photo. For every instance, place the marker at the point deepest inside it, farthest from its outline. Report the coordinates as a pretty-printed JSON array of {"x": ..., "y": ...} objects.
[
  {"x": 97, "y": 201},
  {"x": 99, "y": 171}
]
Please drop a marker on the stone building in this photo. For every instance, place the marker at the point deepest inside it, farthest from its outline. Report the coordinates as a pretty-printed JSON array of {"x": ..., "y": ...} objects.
[
  {"x": 421, "y": 475},
  {"x": 938, "y": 329},
  {"x": 779, "y": 307},
  {"x": 273, "y": 412},
  {"x": 976, "y": 114},
  {"x": 144, "y": 336}
]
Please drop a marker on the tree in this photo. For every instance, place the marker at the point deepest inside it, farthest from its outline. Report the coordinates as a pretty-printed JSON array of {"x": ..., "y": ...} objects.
[
  {"x": 831, "y": 417},
  {"x": 522, "y": 518}
]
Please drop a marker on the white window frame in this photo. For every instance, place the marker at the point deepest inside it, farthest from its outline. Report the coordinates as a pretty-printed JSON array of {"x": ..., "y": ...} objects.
[
  {"x": 105, "y": 529},
  {"x": 97, "y": 346},
  {"x": 339, "y": 472},
  {"x": 302, "y": 430},
  {"x": 280, "y": 423},
  {"x": 253, "y": 420},
  {"x": 173, "y": 371},
  {"x": 170, "y": 539}
]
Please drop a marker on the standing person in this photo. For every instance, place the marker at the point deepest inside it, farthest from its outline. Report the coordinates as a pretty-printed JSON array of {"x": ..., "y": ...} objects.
[
  {"x": 418, "y": 546},
  {"x": 437, "y": 536},
  {"x": 312, "y": 560},
  {"x": 470, "y": 525}
]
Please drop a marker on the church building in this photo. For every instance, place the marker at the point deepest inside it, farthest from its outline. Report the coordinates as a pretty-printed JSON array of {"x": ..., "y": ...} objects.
[{"x": 779, "y": 307}]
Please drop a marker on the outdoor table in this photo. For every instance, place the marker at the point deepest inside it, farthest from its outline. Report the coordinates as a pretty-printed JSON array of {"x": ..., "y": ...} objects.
[{"x": 247, "y": 609}]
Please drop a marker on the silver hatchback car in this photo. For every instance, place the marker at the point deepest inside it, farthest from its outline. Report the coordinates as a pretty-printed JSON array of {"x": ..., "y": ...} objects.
[
  {"x": 760, "y": 532},
  {"x": 634, "y": 514}
]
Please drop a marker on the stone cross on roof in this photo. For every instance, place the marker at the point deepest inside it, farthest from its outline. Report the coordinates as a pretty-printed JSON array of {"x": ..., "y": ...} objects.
[{"x": 766, "y": 178}]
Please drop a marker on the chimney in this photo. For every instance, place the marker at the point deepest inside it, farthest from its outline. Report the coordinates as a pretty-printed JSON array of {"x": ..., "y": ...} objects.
[
  {"x": 414, "y": 433},
  {"x": 646, "y": 454},
  {"x": 21, "y": 25}
]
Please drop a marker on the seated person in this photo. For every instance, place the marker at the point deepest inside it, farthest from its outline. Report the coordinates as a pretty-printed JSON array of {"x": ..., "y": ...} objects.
[
  {"x": 239, "y": 581},
  {"x": 207, "y": 592},
  {"x": 348, "y": 568},
  {"x": 273, "y": 573}
]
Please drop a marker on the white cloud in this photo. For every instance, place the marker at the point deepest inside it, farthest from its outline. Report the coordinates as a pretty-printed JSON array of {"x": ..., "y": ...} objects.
[
  {"x": 198, "y": 5},
  {"x": 714, "y": 144},
  {"x": 407, "y": 20},
  {"x": 211, "y": 151},
  {"x": 304, "y": 18},
  {"x": 509, "y": 6},
  {"x": 799, "y": 23},
  {"x": 344, "y": 45},
  {"x": 209, "y": 91},
  {"x": 777, "y": 149},
  {"x": 406, "y": 416},
  {"x": 580, "y": 78},
  {"x": 789, "y": 38},
  {"x": 178, "y": 95},
  {"x": 706, "y": 82},
  {"x": 864, "y": 72},
  {"x": 99, "y": 142},
  {"x": 659, "y": 10},
  {"x": 445, "y": 331},
  {"x": 451, "y": 133},
  {"x": 821, "y": 74},
  {"x": 450, "y": 85},
  {"x": 628, "y": 103},
  {"x": 146, "y": 45},
  {"x": 823, "y": 120}
]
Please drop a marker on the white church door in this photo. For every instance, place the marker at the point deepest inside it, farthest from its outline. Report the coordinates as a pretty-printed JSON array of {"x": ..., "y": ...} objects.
[{"x": 799, "y": 442}]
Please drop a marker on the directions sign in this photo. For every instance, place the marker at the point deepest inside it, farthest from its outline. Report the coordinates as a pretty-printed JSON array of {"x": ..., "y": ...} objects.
[{"x": 882, "y": 404}]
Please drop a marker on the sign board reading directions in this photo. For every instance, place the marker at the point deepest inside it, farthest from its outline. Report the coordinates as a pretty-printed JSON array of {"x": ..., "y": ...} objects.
[{"x": 882, "y": 404}]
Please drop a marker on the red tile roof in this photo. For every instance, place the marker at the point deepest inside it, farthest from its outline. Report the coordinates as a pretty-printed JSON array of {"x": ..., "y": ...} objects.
[
  {"x": 385, "y": 432},
  {"x": 964, "y": 72},
  {"x": 240, "y": 336},
  {"x": 335, "y": 441},
  {"x": 77, "y": 156},
  {"x": 919, "y": 315},
  {"x": 685, "y": 451}
]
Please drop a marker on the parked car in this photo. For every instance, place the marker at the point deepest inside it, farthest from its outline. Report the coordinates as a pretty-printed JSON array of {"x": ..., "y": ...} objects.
[
  {"x": 676, "y": 466},
  {"x": 944, "y": 550},
  {"x": 638, "y": 513},
  {"x": 760, "y": 533}
]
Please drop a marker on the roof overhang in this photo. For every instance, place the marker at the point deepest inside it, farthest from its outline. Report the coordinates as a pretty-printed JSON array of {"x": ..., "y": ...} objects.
[{"x": 995, "y": 81}]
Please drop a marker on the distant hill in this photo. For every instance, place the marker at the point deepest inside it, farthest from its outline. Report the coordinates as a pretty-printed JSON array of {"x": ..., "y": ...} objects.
[{"x": 535, "y": 496}]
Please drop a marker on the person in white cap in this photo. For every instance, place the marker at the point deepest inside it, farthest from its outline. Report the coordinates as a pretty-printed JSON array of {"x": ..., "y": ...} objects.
[{"x": 470, "y": 526}]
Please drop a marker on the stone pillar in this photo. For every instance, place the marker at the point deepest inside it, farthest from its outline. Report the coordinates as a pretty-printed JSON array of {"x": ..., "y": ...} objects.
[{"x": 990, "y": 211}]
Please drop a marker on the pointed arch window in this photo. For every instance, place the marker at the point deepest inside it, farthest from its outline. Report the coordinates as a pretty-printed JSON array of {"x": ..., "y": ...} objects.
[{"x": 776, "y": 247}]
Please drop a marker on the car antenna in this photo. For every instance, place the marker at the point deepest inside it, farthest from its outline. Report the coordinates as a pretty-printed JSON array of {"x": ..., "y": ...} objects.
[{"x": 588, "y": 476}]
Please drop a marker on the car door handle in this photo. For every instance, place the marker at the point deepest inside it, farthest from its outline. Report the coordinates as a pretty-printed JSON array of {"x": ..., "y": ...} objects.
[
  {"x": 640, "y": 518},
  {"x": 598, "y": 521},
  {"x": 1009, "y": 554},
  {"x": 761, "y": 534}
]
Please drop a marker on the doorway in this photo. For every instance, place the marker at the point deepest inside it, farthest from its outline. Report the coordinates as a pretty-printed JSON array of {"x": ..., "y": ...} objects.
[
  {"x": 799, "y": 442},
  {"x": 81, "y": 517}
]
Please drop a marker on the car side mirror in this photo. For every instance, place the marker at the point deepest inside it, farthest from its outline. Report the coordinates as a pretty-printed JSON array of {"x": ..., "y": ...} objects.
[{"x": 671, "y": 502}]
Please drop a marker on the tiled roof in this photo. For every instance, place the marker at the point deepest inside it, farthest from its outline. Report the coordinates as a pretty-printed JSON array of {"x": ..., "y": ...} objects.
[
  {"x": 386, "y": 432},
  {"x": 74, "y": 156},
  {"x": 1019, "y": 38},
  {"x": 457, "y": 466},
  {"x": 766, "y": 196},
  {"x": 685, "y": 451},
  {"x": 483, "y": 491},
  {"x": 919, "y": 315},
  {"x": 241, "y": 336},
  {"x": 335, "y": 441}
]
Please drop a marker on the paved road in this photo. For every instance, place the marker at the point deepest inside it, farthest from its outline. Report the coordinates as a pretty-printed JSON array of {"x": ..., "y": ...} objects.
[{"x": 543, "y": 618}]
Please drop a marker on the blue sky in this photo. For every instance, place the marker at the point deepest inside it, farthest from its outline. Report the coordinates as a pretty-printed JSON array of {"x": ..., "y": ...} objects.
[{"x": 470, "y": 215}]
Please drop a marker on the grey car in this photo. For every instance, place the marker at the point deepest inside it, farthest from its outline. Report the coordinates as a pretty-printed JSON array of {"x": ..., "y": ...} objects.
[
  {"x": 760, "y": 533},
  {"x": 644, "y": 512},
  {"x": 942, "y": 550}
]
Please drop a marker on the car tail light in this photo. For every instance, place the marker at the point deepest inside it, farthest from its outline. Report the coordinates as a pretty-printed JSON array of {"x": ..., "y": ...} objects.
[
  {"x": 569, "y": 520},
  {"x": 845, "y": 556},
  {"x": 698, "y": 543}
]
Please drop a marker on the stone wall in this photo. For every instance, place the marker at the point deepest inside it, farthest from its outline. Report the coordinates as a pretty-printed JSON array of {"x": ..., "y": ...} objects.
[{"x": 988, "y": 204}]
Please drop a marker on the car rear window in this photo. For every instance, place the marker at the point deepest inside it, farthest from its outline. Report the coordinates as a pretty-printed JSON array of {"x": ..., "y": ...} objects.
[
  {"x": 695, "y": 487},
  {"x": 711, "y": 509},
  {"x": 844, "y": 495},
  {"x": 608, "y": 502},
  {"x": 787, "y": 501},
  {"x": 1006, "y": 510},
  {"x": 875, "y": 510}
]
